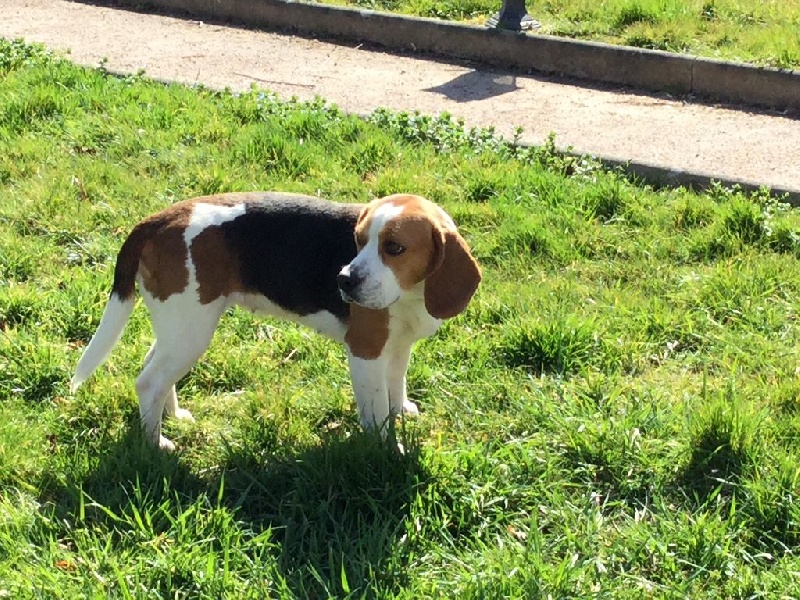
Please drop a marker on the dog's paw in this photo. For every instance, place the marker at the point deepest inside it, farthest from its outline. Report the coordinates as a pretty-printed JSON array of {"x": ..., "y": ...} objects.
[
  {"x": 166, "y": 444},
  {"x": 410, "y": 408},
  {"x": 183, "y": 415}
]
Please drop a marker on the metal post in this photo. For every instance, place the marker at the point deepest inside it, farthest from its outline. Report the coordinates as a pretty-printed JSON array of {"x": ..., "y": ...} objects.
[{"x": 513, "y": 16}]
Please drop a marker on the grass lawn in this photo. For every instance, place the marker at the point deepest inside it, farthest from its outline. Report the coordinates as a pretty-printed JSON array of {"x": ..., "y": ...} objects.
[
  {"x": 615, "y": 415},
  {"x": 753, "y": 31}
]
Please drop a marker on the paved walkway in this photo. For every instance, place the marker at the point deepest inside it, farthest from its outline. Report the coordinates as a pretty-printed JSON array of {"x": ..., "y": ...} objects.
[{"x": 729, "y": 144}]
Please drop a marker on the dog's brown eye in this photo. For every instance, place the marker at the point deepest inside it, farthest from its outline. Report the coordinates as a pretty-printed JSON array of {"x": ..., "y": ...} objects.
[{"x": 393, "y": 249}]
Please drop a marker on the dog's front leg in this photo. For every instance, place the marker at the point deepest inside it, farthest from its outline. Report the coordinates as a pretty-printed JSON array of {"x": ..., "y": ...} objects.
[
  {"x": 396, "y": 380},
  {"x": 371, "y": 391}
]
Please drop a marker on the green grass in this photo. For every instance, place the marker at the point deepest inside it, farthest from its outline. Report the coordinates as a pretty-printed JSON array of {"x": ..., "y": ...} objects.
[
  {"x": 616, "y": 414},
  {"x": 764, "y": 33}
]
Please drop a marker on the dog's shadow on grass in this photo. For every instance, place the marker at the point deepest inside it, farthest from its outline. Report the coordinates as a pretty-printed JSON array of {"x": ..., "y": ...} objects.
[
  {"x": 338, "y": 507},
  {"x": 129, "y": 474}
]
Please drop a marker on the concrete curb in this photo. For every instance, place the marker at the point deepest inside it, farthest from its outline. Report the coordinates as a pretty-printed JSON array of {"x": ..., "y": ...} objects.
[
  {"x": 664, "y": 176},
  {"x": 648, "y": 70}
]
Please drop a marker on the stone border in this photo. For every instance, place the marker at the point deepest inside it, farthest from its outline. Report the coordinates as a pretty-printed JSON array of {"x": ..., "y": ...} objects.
[
  {"x": 664, "y": 176},
  {"x": 648, "y": 70}
]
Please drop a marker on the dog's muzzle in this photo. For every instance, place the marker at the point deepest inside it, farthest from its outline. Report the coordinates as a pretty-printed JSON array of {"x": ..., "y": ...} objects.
[{"x": 348, "y": 281}]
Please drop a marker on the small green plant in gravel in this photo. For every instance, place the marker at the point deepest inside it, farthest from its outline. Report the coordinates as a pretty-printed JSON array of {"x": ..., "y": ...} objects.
[{"x": 614, "y": 415}]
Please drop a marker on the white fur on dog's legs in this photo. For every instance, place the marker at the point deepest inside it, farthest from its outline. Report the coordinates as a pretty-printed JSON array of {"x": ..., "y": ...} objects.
[
  {"x": 370, "y": 391},
  {"x": 183, "y": 331},
  {"x": 171, "y": 408},
  {"x": 396, "y": 381},
  {"x": 152, "y": 391},
  {"x": 155, "y": 387}
]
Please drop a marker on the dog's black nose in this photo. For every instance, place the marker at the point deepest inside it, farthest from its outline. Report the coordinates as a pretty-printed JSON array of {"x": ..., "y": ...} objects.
[{"x": 346, "y": 281}]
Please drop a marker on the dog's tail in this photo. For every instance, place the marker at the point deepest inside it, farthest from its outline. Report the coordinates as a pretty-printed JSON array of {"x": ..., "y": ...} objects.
[
  {"x": 108, "y": 333},
  {"x": 118, "y": 308}
]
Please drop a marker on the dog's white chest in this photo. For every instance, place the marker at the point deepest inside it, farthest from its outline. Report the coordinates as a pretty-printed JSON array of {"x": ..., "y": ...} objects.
[{"x": 409, "y": 321}]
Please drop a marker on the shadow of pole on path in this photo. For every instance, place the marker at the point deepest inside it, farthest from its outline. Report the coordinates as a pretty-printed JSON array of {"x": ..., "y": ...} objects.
[{"x": 476, "y": 85}]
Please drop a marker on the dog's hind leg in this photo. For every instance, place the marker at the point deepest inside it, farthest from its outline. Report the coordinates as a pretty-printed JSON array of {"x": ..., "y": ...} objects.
[
  {"x": 183, "y": 329},
  {"x": 171, "y": 408}
]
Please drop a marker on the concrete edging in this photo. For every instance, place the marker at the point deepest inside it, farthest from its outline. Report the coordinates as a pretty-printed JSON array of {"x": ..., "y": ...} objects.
[{"x": 663, "y": 176}]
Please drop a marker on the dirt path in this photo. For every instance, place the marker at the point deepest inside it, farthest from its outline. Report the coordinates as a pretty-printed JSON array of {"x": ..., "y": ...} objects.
[{"x": 728, "y": 144}]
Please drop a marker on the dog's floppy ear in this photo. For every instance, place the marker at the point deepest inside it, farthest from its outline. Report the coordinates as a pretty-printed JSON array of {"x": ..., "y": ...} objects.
[
  {"x": 455, "y": 275},
  {"x": 366, "y": 211}
]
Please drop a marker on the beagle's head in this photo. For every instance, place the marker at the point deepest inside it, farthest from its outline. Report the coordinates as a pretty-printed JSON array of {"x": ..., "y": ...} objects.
[{"x": 406, "y": 243}]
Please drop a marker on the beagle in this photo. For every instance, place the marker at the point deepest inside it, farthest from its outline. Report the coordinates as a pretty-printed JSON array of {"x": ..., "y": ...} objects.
[{"x": 376, "y": 276}]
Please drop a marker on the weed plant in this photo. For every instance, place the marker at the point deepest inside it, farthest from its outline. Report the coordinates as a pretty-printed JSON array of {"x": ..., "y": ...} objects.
[
  {"x": 615, "y": 415},
  {"x": 764, "y": 33}
]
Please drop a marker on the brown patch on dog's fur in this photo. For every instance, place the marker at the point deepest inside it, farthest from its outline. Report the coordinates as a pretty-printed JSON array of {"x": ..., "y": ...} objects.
[
  {"x": 162, "y": 265},
  {"x": 420, "y": 237},
  {"x": 419, "y": 229},
  {"x": 367, "y": 213},
  {"x": 367, "y": 332},
  {"x": 449, "y": 287},
  {"x": 216, "y": 268},
  {"x": 157, "y": 252}
]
